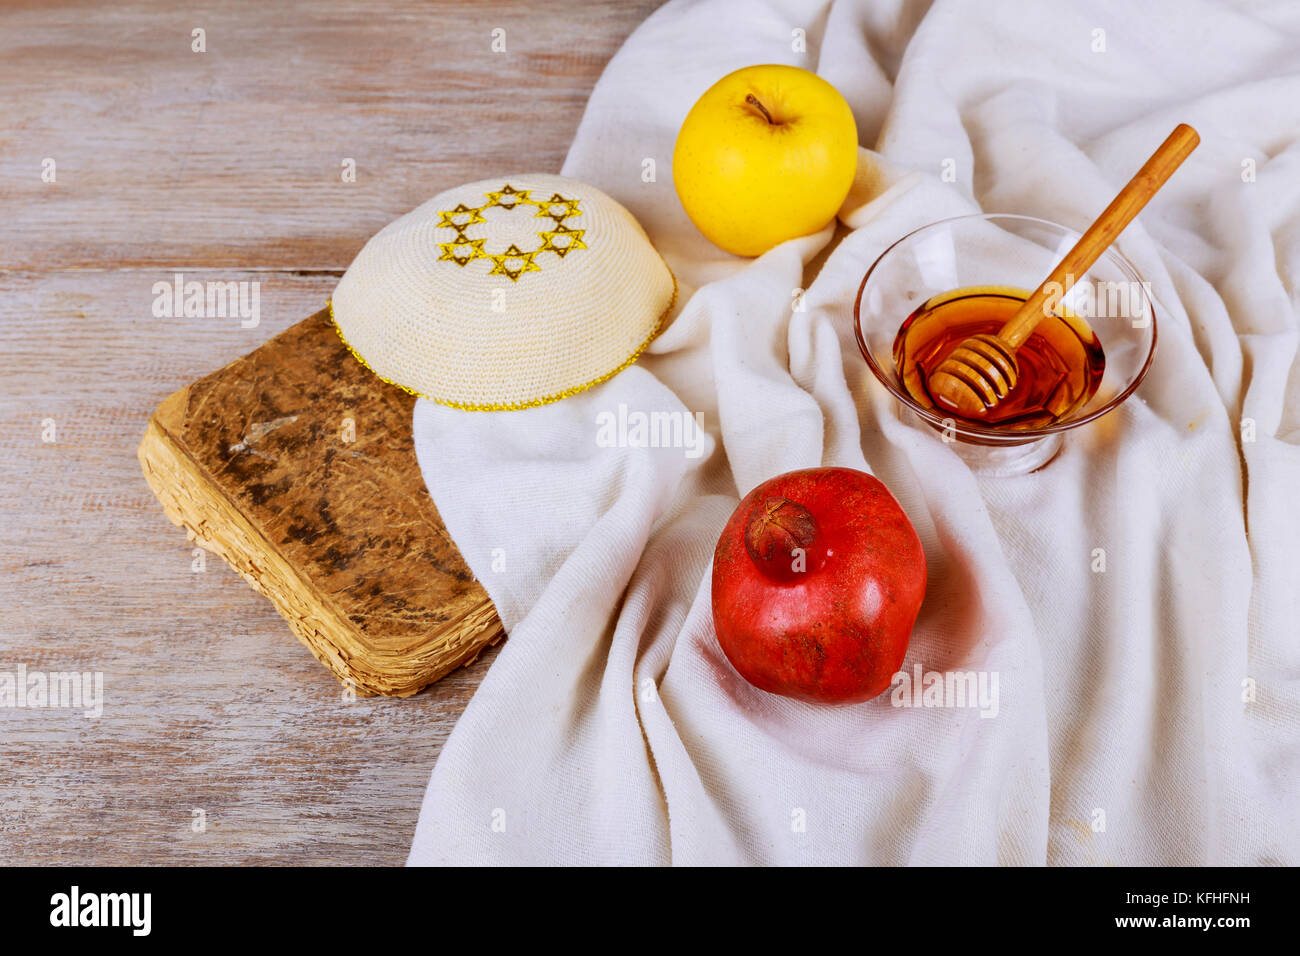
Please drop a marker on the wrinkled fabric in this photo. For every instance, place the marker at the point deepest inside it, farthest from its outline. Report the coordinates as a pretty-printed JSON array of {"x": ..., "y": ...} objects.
[{"x": 1147, "y": 713}]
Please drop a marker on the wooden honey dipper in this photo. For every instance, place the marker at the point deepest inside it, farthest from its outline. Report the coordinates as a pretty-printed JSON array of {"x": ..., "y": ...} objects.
[{"x": 982, "y": 370}]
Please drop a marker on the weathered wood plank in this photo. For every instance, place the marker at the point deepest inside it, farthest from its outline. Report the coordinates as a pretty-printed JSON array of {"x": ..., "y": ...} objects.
[
  {"x": 233, "y": 157},
  {"x": 224, "y": 165},
  {"x": 209, "y": 701}
]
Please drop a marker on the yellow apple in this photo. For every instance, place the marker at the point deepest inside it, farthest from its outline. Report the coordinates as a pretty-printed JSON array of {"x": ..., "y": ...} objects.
[{"x": 767, "y": 154}]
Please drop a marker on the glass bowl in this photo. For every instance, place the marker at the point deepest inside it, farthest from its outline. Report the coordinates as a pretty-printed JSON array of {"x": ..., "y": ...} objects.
[{"x": 1019, "y": 252}]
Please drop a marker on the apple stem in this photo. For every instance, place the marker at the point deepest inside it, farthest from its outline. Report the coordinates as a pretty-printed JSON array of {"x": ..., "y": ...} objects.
[{"x": 752, "y": 100}]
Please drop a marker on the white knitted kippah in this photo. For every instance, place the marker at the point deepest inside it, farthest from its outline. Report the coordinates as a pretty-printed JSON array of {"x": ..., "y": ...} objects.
[{"x": 504, "y": 293}]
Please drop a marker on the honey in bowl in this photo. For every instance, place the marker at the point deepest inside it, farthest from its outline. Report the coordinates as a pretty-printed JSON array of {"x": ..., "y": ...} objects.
[{"x": 1061, "y": 363}]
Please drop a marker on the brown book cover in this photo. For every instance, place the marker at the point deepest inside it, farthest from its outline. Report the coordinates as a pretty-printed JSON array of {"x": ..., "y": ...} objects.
[{"x": 296, "y": 465}]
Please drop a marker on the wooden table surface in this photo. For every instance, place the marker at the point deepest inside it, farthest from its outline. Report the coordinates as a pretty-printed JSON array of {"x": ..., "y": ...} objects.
[{"x": 223, "y": 165}]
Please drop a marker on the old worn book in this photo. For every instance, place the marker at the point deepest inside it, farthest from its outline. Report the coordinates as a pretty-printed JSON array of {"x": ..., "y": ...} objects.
[{"x": 295, "y": 464}]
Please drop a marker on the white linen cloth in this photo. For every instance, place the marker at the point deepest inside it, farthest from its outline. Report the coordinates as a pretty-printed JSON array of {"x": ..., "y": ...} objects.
[{"x": 611, "y": 729}]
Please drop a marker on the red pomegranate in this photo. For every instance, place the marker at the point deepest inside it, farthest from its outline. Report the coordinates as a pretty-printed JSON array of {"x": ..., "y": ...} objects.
[{"x": 817, "y": 581}]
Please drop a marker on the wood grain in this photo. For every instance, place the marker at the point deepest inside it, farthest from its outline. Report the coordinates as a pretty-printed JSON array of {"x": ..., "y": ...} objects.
[
  {"x": 232, "y": 158},
  {"x": 223, "y": 165}
]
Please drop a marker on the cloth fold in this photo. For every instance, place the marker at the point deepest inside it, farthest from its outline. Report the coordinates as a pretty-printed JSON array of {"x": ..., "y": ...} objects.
[{"x": 1147, "y": 704}]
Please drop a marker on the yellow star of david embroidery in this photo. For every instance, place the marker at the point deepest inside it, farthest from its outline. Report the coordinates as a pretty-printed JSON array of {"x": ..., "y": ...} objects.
[
  {"x": 513, "y": 262},
  {"x": 454, "y": 251},
  {"x": 514, "y": 254},
  {"x": 507, "y": 197},
  {"x": 567, "y": 208},
  {"x": 449, "y": 217},
  {"x": 562, "y": 240}
]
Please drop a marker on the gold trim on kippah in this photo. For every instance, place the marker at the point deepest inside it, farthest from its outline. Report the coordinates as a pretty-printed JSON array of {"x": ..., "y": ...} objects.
[{"x": 517, "y": 406}]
